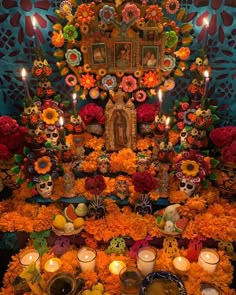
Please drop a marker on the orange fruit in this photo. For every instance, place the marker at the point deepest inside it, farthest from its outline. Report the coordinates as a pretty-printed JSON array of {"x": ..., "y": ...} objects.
[
  {"x": 78, "y": 222},
  {"x": 59, "y": 221}
]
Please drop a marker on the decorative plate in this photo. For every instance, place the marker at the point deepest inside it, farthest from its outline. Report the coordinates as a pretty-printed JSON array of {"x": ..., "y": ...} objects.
[
  {"x": 157, "y": 275},
  {"x": 63, "y": 233}
]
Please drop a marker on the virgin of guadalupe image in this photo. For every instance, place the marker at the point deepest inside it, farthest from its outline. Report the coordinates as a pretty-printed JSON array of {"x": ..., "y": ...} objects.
[{"x": 120, "y": 129}]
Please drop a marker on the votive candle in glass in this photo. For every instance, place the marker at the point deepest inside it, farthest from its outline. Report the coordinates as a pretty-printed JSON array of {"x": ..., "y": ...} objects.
[
  {"x": 181, "y": 264},
  {"x": 52, "y": 264},
  {"x": 208, "y": 259},
  {"x": 116, "y": 266},
  {"x": 146, "y": 260},
  {"x": 29, "y": 257},
  {"x": 87, "y": 258}
]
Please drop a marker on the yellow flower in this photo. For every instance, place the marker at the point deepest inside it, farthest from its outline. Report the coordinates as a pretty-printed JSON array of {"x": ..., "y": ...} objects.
[
  {"x": 43, "y": 165},
  {"x": 190, "y": 168},
  {"x": 50, "y": 116}
]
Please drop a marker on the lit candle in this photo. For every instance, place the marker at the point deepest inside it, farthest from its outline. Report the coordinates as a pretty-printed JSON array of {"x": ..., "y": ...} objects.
[
  {"x": 146, "y": 260},
  {"x": 35, "y": 32},
  {"x": 206, "y": 75},
  {"x": 74, "y": 103},
  {"x": 24, "y": 74},
  {"x": 208, "y": 259},
  {"x": 87, "y": 258},
  {"x": 181, "y": 264},
  {"x": 52, "y": 264},
  {"x": 29, "y": 257},
  {"x": 205, "y": 21},
  {"x": 160, "y": 100},
  {"x": 116, "y": 266},
  {"x": 61, "y": 130}
]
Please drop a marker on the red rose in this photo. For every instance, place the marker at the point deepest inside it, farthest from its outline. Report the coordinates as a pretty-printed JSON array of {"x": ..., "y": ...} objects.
[
  {"x": 5, "y": 154},
  {"x": 222, "y": 136},
  {"x": 180, "y": 125},
  {"x": 95, "y": 185},
  {"x": 184, "y": 105},
  {"x": 144, "y": 182}
]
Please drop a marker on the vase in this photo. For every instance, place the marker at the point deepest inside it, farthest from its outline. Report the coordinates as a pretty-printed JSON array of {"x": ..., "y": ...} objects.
[
  {"x": 145, "y": 128},
  {"x": 226, "y": 179},
  {"x": 95, "y": 128}
]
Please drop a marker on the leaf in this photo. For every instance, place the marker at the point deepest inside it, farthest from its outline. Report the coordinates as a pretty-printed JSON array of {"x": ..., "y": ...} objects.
[
  {"x": 26, "y": 150},
  {"x": 213, "y": 108},
  {"x": 15, "y": 169},
  {"x": 188, "y": 128},
  {"x": 66, "y": 103},
  {"x": 18, "y": 158},
  {"x": 30, "y": 185},
  {"x": 213, "y": 176},
  {"x": 19, "y": 180},
  {"x": 45, "y": 177},
  {"x": 214, "y": 162},
  {"x": 205, "y": 184},
  {"x": 205, "y": 153}
]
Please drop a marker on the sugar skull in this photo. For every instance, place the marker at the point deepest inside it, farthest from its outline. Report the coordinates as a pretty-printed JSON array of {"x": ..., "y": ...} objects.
[
  {"x": 121, "y": 189},
  {"x": 52, "y": 135},
  {"x": 184, "y": 136},
  {"x": 143, "y": 161},
  {"x": 103, "y": 163},
  {"x": 187, "y": 186},
  {"x": 45, "y": 187}
]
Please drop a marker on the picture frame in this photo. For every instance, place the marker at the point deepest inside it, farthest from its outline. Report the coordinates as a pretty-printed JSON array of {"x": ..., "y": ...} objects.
[
  {"x": 150, "y": 56},
  {"x": 99, "y": 54},
  {"x": 123, "y": 54}
]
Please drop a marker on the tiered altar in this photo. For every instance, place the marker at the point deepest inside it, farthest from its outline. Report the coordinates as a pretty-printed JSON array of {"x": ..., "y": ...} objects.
[{"x": 107, "y": 185}]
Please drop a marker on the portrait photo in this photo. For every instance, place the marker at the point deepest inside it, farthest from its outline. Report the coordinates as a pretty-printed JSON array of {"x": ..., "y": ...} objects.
[
  {"x": 150, "y": 56},
  {"x": 99, "y": 53},
  {"x": 123, "y": 54}
]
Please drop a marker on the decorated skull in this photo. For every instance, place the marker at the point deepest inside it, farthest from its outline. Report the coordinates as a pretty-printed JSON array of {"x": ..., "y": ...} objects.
[
  {"x": 52, "y": 135},
  {"x": 75, "y": 120},
  {"x": 143, "y": 161},
  {"x": 121, "y": 189},
  {"x": 103, "y": 163},
  {"x": 45, "y": 187},
  {"x": 169, "y": 226},
  {"x": 96, "y": 208},
  {"x": 183, "y": 137},
  {"x": 187, "y": 186},
  {"x": 143, "y": 205}
]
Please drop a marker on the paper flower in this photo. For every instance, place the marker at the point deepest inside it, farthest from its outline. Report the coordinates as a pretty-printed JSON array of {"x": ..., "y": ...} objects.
[
  {"x": 172, "y": 6},
  {"x": 154, "y": 13},
  {"x": 130, "y": 11},
  {"x": 106, "y": 13},
  {"x": 109, "y": 82},
  {"x": 84, "y": 13},
  {"x": 70, "y": 32},
  {"x": 151, "y": 79},
  {"x": 87, "y": 81},
  {"x": 129, "y": 83},
  {"x": 73, "y": 57},
  {"x": 50, "y": 116},
  {"x": 171, "y": 39}
]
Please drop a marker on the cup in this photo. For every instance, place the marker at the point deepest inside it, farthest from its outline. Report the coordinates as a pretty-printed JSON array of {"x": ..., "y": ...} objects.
[
  {"x": 130, "y": 279},
  {"x": 87, "y": 258},
  {"x": 146, "y": 260},
  {"x": 208, "y": 259},
  {"x": 62, "y": 283}
]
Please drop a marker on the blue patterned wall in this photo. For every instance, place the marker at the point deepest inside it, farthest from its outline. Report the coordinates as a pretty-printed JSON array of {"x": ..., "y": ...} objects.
[{"x": 17, "y": 51}]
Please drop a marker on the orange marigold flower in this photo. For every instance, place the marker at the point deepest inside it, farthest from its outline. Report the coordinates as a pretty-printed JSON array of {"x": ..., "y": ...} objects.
[
  {"x": 57, "y": 39},
  {"x": 87, "y": 81},
  {"x": 154, "y": 12},
  {"x": 151, "y": 79},
  {"x": 43, "y": 165},
  {"x": 84, "y": 13},
  {"x": 183, "y": 53}
]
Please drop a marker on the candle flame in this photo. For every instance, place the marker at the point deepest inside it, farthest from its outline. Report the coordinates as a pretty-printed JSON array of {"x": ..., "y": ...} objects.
[
  {"x": 160, "y": 95},
  {"x": 74, "y": 96},
  {"x": 205, "y": 21},
  {"x": 23, "y": 73},
  {"x": 61, "y": 121},
  {"x": 51, "y": 262},
  {"x": 206, "y": 74},
  {"x": 30, "y": 257},
  {"x": 180, "y": 259},
  {"x": 167, "y": 121},
  {"x": 34, "y": 22}
]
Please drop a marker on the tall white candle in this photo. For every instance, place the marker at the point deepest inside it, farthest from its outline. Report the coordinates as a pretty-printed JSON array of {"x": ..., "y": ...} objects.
[
  {"x": 160, "y": 100},
  {"x": 87, "y": 258},
  {"x": 146, "y": 260},
  {"x": 205, "y": 21},
  {"x": 208, "y": 259},
  {"x": 23, "y": 75},
  {"x": 35, "y": 32}
]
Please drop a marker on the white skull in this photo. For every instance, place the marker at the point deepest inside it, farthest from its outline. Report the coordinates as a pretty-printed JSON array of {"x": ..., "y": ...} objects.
[
  {"x": 187, "y": 186},
  {"x": 69, "y": 227},
  {"x": 44, "y": 187},
  {"x": 52, "y": 136},
  {"x": 169, "y": 226},
  {"x": 183, "y": 137}
]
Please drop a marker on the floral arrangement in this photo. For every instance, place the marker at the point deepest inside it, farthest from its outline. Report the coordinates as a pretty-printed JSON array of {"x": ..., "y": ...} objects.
[
  {"x": 12, "y": 138},
  {"x": 144, "y": 182},
  {"x": 92, "y": 112},
  {"x": 225, "y": 139},
  {"x": 95, "y": 185},
  {"x": 147, "y": 112}
]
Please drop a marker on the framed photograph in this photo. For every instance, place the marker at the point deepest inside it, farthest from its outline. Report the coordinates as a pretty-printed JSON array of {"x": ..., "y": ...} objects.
[
  {"x": 150, "y": 56},
  {"x": 99, "y": 53},
  {"x": 123, "y": 54}
]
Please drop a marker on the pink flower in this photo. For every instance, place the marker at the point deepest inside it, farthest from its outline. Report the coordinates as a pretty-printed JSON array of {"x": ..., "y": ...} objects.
[
  {"x": 129, "y": 83},
  {"x": 144, "y": 182},
  {"x": 130, "y": 11}
]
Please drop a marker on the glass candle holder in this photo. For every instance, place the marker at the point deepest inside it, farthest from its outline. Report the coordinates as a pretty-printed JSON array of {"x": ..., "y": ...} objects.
[
  {"x": 146, "y": 260},
  {"x": 208, "y": 259},
  {"x": 87, "y": 258},
  {"x": 62, "y": 283},
  {"x": 116, "y": 266},
  {"x": 30, "y": 256},
  {"x": 52, "y": 265},
  {"x": 181, "y": 264},
  {"x": 130, "y": 279}
]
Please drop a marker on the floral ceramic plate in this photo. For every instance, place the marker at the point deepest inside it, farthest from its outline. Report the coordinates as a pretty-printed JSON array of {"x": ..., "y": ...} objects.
[
  {"x": 162, "y": 276},
  {"x": 63, "y": 233}
]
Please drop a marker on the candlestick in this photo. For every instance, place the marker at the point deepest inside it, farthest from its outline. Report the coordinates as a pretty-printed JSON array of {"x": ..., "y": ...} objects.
[
  {"x": 167, "y": 127},
  {"x": 35, "y": 32},
  {"x": 52, "y": 264},
  {"x": 181, "y": 264},
  {"x": 74, "y": 98},
  {"x": 205, "y": 21},
  {"x": 146, "y": 260},
  {"x": 23, "y": 74},
  {"x": 29, "y": 257},
  {"x": 116, "y": 266},
  {"x": 160, "y": 100},
  {"x": 61, "y": 130},
  {"x": 208, "y": 259},
  {"x": 87, "y": 258}
]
